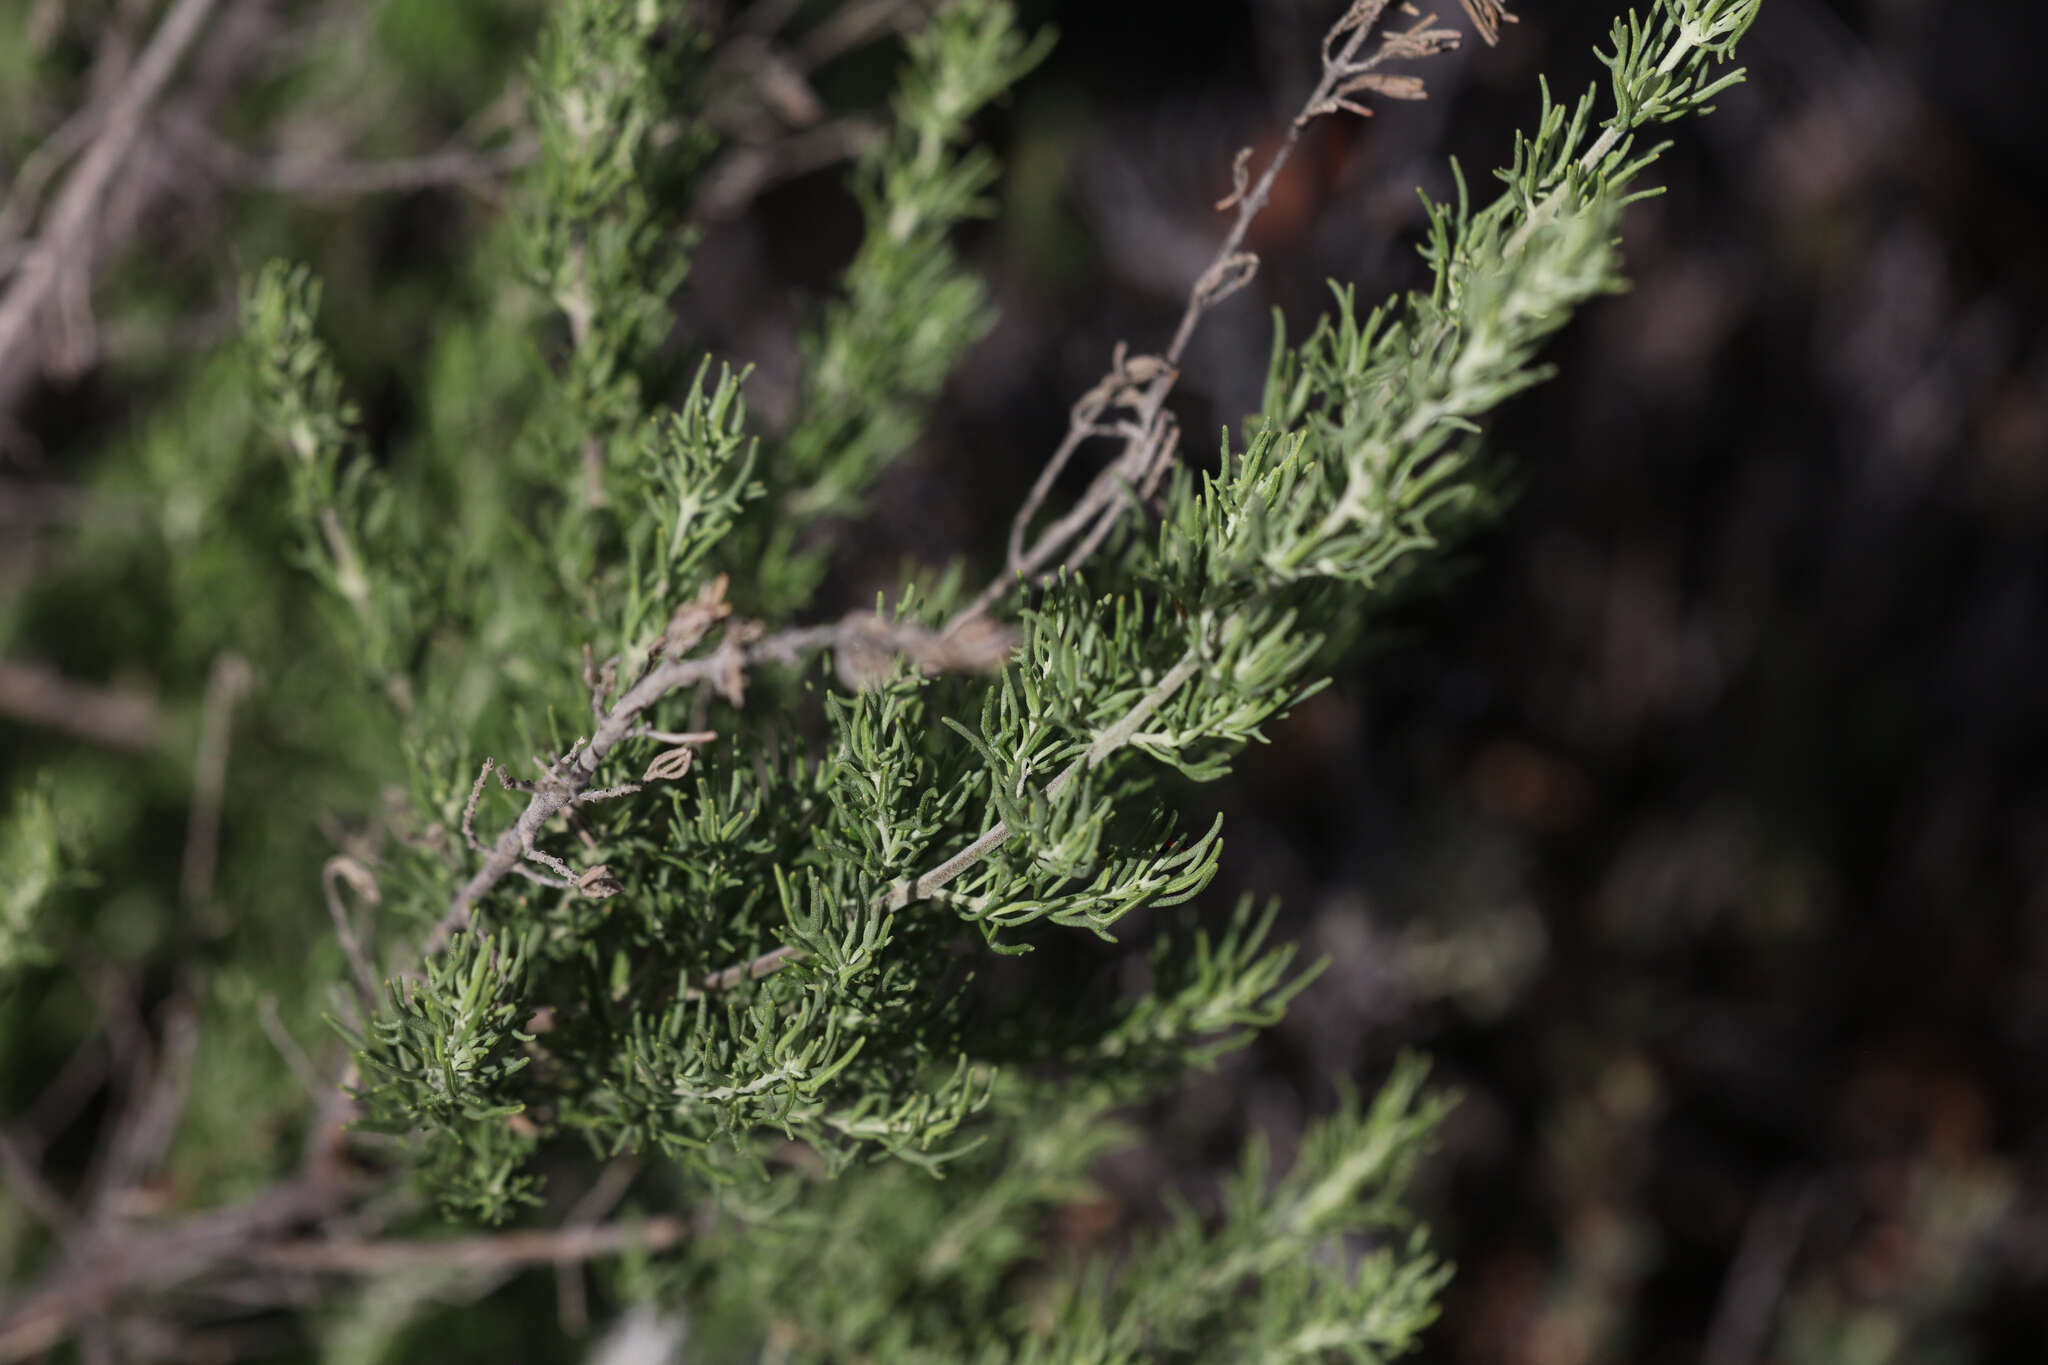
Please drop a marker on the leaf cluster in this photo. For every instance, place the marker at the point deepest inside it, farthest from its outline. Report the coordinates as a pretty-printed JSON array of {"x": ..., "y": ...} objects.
[{"x": 780, "y": 964}]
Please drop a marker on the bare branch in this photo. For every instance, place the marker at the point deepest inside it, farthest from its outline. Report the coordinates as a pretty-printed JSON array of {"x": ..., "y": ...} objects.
[
  {"x": 569, "y": 876},
  {"x": 288, "y": 1047},
  {"x": 1240, "y": 179},
  {"x": 744, "y": 172},
  {"x": 1756, "y": 1280},
  {"x": 599, "y": 682},
  {"x": 1121, "y": 387},
  {"x": 1345, "y": 73},
  {"x": 231, "y": 677},
  {"x": 148, "y": 1122},
  {"x": 18, "y": 1166},
  {"x": 150, "y": 1262},
  {"x": 1487, "y": 16},
  {"x": 567, "y": 780},
  {"x": 324, "y": 176},
  {"x": 850, "y": 27},
  {"x": 469, "y": 811},
  {"x": 752, "y": 970},
  {"x": 120, "y": 718},
  {"x": 1149, "y": 440},
  {"x": 342, "y": 868},
  {"x": 80, "y": 1078},
  {"x": 362, "y": 1256},
  {"x": 71, "y": 220},
  {"x": 571, "y": 1302},
  {"x": 919, "y": 888},
  {"x": 674, "y": 736},
  {"x": 1158, "y": 456},
  {"x": 18, "y": 207}
]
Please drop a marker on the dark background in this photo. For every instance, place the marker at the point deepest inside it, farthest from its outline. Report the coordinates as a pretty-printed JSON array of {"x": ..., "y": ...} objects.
[{"x": 1699, "y": 830}]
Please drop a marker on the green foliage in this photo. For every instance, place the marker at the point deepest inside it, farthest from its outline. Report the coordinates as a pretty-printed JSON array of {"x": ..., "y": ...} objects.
[
  {"x": 691, "y": 479},
  {"x": 761, "y": 965},
  {"x": 36, "y": 867},
  {"x": 334, "y": 494},
  {"x": 910, "y": 308},
  {"x": 614, "y": 135},
  {"x": 898, "y": 1267},
  {"x": 1274, "y": 1280}
]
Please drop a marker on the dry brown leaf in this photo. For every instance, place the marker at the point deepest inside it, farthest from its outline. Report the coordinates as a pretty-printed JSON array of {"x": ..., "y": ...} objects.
[
  {"x": 694, "y": 619},
  {"x": 1487, "y": 17},
  {"x": 670, "y": 764}
]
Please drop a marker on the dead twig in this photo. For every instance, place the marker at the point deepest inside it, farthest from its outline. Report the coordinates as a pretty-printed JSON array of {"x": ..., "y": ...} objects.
[
  {"x": 225, "y": 686},
  {"x": 117, "y": 717},
  {"x": 288, "y": 1047},
  {"x": 362, "y": 1256},
  {"x": 765, "y": 105},
  {"x": 77, "y": 1081},
  {"x": 573, "y": 777},
  {"x": 69, "y": 229},
  {"x": 1756, "y": 1280},
  {"x": 324, "y": 176},
  {"x": 338, "y": 869},
  {"x": 850, "y": 27},
  {"x": 743, "y": 173},
  {"x": 572, "y": 1304},
  {"x": 913, "y": 889},
  {"x": 570, "y": 779},
  {"x": 865, "y": 648},
  {"x": 1141, "y": 385},
  {"x": 37, "y": 1195},
  {"x": 144, "y": 1262},
  {"x": 143, "y": 1134},
  {"x": 1487, "y": 16},
  {"x": 39, "y": 167}
]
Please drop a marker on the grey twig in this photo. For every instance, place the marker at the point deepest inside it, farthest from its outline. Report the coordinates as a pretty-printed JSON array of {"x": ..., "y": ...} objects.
[
  {"x": 18, "y": 1166},
  {"x": 1345, "y": 73},
  {"x": 919, "y": 888},
  {"x": 119, "y": 718},
  {"x": 231, "y": 677},
  {"x": 335, "y": 177},
  {"x": 680, "y": 737},
  {"x": 288, "y": 1047},
  {"x": 18, "y": 207},
  {"x": 338, "y": 869},
  {"x": 143, "y": 1132},
  {"x": 569, "y": 779},
  {"x": 572, "y": 1307},
  {"x": 77, "y": 1081},
  {"x": 748, "y": 169},
  {"x": 542, "y": 1246},
  {"x": 71, "y": 220},
  {"x": 476, "y": 790},
  {"x": 1142, "y": 385},
  {"x": 848, "y": 28},
  {"x": 151, "y": 1262},
  {"x": 1756, "y": 1280}
]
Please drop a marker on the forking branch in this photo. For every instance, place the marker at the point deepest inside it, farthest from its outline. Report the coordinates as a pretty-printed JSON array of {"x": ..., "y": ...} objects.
[{"x": 1141, "y": 385}]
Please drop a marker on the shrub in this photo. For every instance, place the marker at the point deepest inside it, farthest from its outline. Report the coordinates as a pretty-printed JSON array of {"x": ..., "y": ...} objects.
[{"x": 732, "y": 934}]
